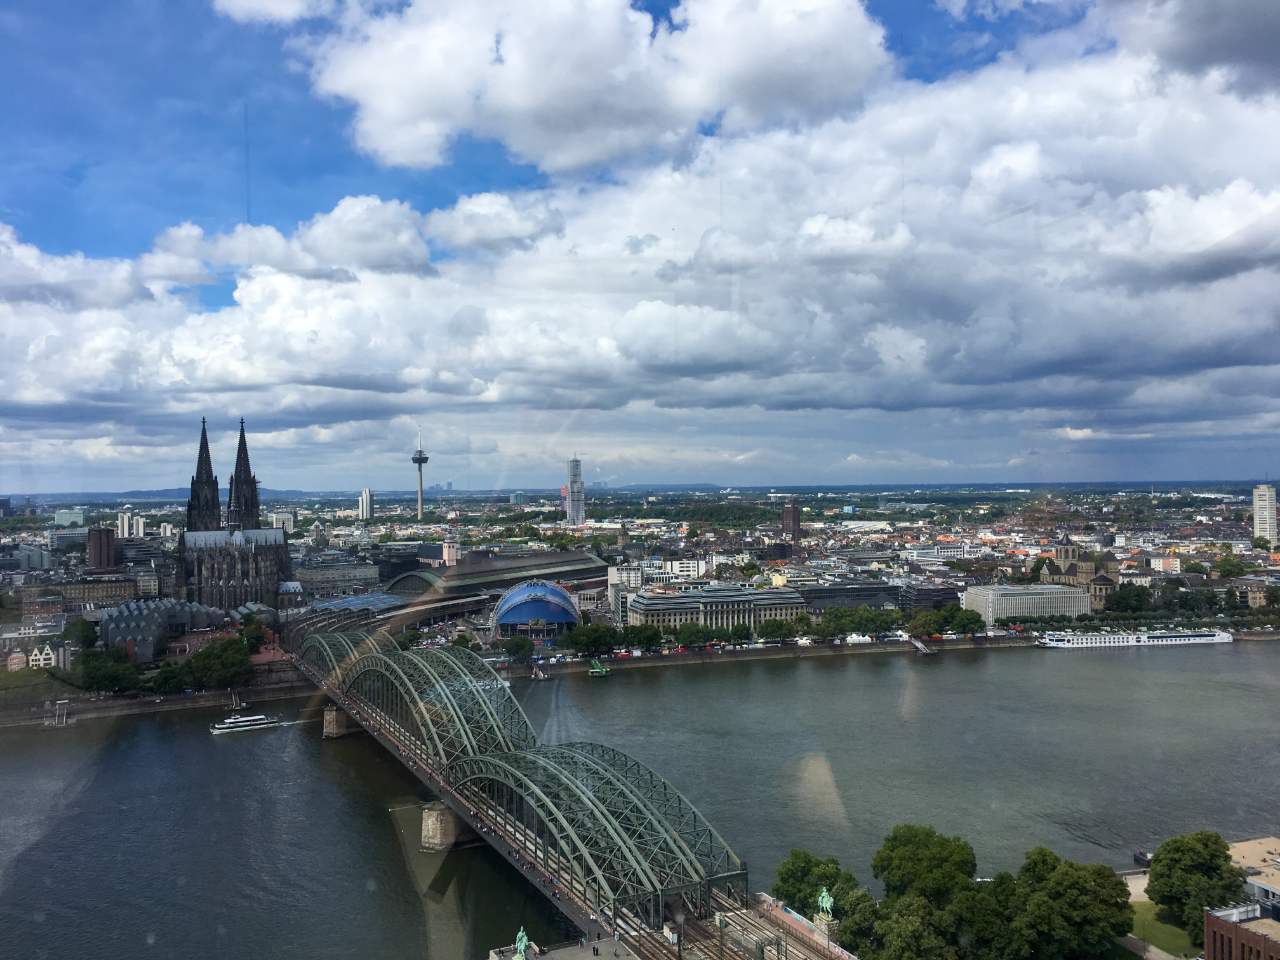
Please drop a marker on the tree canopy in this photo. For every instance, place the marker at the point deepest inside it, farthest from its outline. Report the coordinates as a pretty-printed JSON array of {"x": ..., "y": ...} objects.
[
  {"x": 1191, "y": 872},
  {"x": 253, "y": 633},
  {"x": 592, "y": 640},
  {"x": 908, "y": 930},
  {"x": 518, "y": 648},
  {"x": 838, "y": 621},
  {"x": 223, "y": 663},
  {"x": 1069, "y": 911},
  {"x": 775, "y": 629},
  {"x": 107, "y": 670},
  {"x": 918, "y": 860},
  {"x": 802, "y": 876},
  {"x": 1230, "y": 566},
  {"x": 647, "y": 637},
  {"x": 952, "y": 617},
  {"x": 1129, "y": 598},
  {"x": 1053, "y": 909},
  {"x": 80, "y": 632}
]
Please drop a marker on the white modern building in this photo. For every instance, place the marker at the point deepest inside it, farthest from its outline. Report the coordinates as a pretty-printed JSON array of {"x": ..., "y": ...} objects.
[
  {"x": 1264, "y": 512},
  {"x": 1001, "y": 602},
  {"x": 65, "y": 518},
  {"x": 364, "y": 508},
  {"x": 130, "y": 525},
  {"x": 285, "y": 520},
  {"x": 575, "y": 501},
  {"x": 687, "y": 567}
]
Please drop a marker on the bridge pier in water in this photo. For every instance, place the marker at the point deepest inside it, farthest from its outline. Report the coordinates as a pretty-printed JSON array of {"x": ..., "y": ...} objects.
[
  {"x": 613, "y": 845},
  {"x": 442, "y": 828},
  {"x": 337, "y": 723}
]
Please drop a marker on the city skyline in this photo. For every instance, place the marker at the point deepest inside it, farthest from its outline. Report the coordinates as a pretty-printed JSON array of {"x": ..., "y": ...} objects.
[
  {"x": 506, "y": 467},
  {"x": 936, "y": 248}
]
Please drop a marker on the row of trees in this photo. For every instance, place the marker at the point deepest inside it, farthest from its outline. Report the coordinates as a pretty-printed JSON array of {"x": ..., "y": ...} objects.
[
  {"x": 1173, "y": 597},
  {"x": 934, "y": 908},
  {"x": 597, "y": 639},
  {"x": 222, "y": 663},
  {"x": 952, "y": 618}
]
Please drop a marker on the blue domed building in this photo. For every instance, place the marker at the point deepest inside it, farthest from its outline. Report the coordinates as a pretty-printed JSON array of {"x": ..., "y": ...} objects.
[{"x": 536, "y": 609}]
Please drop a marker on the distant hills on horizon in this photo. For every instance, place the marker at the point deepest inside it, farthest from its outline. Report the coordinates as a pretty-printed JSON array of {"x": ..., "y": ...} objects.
[{"x": 268, "y": 494}]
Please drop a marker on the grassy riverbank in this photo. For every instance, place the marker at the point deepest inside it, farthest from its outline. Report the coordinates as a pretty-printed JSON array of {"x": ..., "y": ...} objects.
[
  {"x": 32, "y": 686},
  {"x": 1149, "y": 927}
]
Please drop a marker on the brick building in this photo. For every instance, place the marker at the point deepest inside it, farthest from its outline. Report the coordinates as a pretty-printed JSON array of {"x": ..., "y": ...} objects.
[{"x": 1249, "y": 932}]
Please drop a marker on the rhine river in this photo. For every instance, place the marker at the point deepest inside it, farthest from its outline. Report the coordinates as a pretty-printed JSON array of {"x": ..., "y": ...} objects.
[{"x": 149, "y": 837}]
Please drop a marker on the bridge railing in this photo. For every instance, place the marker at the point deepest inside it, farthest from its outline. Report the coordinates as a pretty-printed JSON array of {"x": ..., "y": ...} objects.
[{"x": 598, "y": 827}]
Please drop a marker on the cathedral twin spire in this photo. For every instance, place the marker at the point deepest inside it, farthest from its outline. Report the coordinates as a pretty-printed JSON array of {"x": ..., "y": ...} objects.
[
  {"x": 204, "y": 511},
  {"x": 242, "y": 498}
]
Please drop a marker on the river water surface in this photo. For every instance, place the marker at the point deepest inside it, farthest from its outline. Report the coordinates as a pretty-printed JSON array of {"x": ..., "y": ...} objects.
[{"x": 149, "y": 837}]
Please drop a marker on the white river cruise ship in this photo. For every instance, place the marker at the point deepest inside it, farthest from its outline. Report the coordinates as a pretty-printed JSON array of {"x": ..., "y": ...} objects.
[
  {"x": 1160, "y": 638},
  {"x": 236, "y": 723}
]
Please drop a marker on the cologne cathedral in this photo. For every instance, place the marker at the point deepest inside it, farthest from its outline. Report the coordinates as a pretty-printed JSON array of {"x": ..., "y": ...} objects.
[{"x": 228, "y": 566}]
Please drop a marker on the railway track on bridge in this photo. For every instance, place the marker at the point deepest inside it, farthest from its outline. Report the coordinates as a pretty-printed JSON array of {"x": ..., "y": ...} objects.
[{"x": 611, "y": 843}]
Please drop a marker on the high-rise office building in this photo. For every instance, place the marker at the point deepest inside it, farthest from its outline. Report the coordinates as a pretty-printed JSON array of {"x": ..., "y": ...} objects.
[
  {"x": 1264, "y": 512},
  {"x": 365, "y": 505},
  {"x": 138, "y": 527},
  {"x": 575, "y": 494},
  {"x": 285, "y": 520},
  {"x": 124, "y": 525},
  {"x": 102, "y": 548},
  {"x": 575, "y": 500},
  {"x": 791, "y": 529}
]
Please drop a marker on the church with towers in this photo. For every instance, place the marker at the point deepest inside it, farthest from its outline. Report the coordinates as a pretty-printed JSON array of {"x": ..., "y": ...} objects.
[{"x": 229, "y": 564}]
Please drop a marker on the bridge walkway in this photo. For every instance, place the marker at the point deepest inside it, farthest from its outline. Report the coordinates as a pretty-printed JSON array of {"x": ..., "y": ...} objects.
[{"x": 704, "y": 940}]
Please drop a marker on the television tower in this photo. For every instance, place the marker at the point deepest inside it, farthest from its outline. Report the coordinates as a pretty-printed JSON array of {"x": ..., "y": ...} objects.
[{"x": 419, "y": 458}]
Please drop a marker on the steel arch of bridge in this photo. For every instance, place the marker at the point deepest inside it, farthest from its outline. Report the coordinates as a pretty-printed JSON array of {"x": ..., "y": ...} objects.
[{"x": 619, "y": 835}]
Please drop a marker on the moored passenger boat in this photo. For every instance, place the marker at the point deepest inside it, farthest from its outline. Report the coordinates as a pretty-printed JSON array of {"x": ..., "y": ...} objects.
[{"x": 1067, "y": 640}]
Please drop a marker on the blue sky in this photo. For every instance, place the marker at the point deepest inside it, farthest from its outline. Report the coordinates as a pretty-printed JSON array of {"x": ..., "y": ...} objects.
[
  {"x": 133, "y": 120},
  {"x": 119, "y": 120},
  {"x": 785, "y": 241}
]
